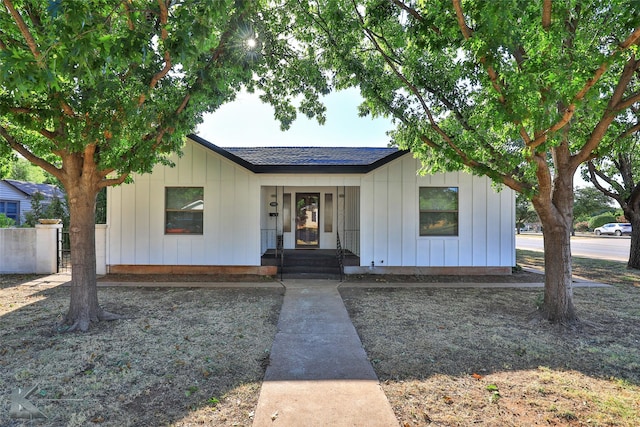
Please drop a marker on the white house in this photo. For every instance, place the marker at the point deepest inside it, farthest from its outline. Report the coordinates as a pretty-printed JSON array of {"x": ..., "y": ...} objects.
[{"x": 222, "y": 209}]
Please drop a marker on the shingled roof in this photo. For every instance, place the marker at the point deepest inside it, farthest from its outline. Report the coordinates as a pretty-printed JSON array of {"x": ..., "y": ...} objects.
[
  {"x": 30, "y": 188},
  {"x": 306, "y": 159}
]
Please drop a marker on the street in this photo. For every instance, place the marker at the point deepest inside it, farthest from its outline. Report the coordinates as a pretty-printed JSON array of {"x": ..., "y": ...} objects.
[{"x": 599, "y": 247}]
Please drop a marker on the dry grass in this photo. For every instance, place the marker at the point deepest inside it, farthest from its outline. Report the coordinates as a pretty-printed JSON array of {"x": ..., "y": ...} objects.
[
  {"x": 458, "y": 357},
  {"x": 186, "y": 356},
  {"x": 446, "y": 357}
]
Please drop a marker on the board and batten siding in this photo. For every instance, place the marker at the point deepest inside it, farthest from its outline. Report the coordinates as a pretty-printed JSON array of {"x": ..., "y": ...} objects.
[
  {"x": 389, "y": 226},
  {"x": 231, "y": 234},
  {"x": 380, "y": 207}
]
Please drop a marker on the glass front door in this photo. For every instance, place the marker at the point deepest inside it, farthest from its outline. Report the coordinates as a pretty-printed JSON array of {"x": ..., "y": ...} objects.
[{"x": 307, "y": 220}]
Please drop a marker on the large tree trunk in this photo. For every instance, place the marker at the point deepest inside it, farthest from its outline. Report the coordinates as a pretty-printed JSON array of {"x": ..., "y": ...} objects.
[
  {"x": 634, "y": 251},
  {"x": 558, "y": 291},
  {"x": 554, "y": 205},
  {"x": 83, "y": 307}
]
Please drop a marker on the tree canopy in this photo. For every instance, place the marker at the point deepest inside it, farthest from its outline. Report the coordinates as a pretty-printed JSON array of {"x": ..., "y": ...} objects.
[
  {"x": 92, "y": 91},
  {"x": 616, "y": 175},
  {"x": 128, "y": 80},
  {"x": 523, "y": 92}
]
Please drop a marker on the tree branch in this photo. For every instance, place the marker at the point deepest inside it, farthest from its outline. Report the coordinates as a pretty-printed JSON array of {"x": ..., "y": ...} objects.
[
  {"x": 546, "y": 14},
  {"x": 630, "y": 131},
  {"x": 24, "y": 30},
  {"x": 594, "y": 174},
  {"x": 609, "y": 113},
  {"x": 27, "y": 154},
  {"x": 628, "y": 102},
  {"x": 411, "y": 11},
  {"x": 569, "y": 112},
  {"x": 127, "y": 11},
  {"x": 164, "y": 16},
  {"x": 113, "y": 181},
  {"x": 466, "y": 31}
]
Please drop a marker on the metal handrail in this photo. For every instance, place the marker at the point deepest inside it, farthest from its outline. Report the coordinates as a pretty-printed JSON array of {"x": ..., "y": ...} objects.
[
  {"x": 340, "y": 256},
  {"x": 280, "y": 252}
]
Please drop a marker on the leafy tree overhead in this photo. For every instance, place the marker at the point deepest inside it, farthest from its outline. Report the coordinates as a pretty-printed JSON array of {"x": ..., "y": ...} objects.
[
  {"x": 523, "y": 92},
  {"x": 94, "y": 91}
]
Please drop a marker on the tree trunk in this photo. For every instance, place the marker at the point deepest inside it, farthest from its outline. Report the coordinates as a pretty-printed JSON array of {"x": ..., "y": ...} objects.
[
  {"x": 558, "y": 290},
  {"x": 554, "y": 205},
  {"x": 83, "y": 307},
  {"x": 634, "y": 251}
]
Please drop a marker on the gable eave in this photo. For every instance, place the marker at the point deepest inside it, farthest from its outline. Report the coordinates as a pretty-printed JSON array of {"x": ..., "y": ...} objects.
[
  {"x": 297, "y": 169},
  {"x": 15, "y": 187}
]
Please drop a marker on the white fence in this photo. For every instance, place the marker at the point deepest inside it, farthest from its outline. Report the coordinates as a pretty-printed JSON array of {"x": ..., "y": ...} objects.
[{"x": 36, "y": 250}]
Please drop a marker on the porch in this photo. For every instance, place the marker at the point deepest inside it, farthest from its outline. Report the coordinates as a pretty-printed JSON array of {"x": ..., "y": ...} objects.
[
  {"x": 309, "y": 263},
  {"x": 310, "y": 218}
]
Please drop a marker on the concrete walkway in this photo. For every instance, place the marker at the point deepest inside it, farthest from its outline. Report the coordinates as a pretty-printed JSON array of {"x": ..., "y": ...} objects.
[{"x": 319, "y": 374}]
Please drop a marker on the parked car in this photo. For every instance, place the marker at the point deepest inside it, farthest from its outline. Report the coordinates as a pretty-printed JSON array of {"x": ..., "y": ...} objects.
[{"x": 614, "y": 228}]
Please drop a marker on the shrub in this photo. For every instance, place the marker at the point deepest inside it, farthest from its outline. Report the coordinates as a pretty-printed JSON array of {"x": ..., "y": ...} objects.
[
  {"x": 582, "y": 226},
  {"x": 621, "y": 218},
  {"x": 6, "y": 222},
  {"x": 600, "y": 220}
]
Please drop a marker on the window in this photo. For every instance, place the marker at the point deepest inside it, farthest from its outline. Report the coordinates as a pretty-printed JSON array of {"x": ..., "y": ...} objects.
[
  {"x": 184, "y": 208},
  {"x": 328, "y": 213},
  {"x": 10, "y": 210},
  {"x": 438, "y": 211},
  {"x": 286, "y": 212}
]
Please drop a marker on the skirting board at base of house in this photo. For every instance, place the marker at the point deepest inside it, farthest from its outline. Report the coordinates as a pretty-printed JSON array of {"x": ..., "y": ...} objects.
[
  {"x": 430, "y": 271},
  {"x": 266, "y": 270}
]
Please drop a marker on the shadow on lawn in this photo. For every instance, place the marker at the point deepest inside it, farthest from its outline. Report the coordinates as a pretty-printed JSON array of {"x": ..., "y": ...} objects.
[
  {"x": 182, "y": 350},
  {"x": 418, "y": 333}
]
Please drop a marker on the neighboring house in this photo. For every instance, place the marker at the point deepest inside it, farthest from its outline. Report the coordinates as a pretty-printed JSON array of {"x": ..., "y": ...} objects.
[
  {"x": 16, "y": 196},
  {"x": 221, "y": 209}
]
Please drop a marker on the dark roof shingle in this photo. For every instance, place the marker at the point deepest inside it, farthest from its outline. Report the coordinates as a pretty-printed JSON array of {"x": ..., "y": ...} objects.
[
  {"x": 30, "y": 188},
  {"x": 311, "y": 156},
  {"x": 306, "y": 159}
]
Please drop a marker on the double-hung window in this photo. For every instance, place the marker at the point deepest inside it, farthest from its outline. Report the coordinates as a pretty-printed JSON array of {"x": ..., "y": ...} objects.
[
  {"x": 438, "y": 211},
  {"x": 10, "y": 209},
  {"x": 184, "y": 210}
]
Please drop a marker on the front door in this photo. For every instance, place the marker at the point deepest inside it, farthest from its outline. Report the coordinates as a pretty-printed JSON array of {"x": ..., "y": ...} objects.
[{"x": 307, "y": 220}]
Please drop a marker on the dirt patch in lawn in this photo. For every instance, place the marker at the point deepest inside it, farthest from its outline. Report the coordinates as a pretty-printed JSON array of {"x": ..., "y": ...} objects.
[
  {"x": 458, "y": 357},
  {"x": 184, "y": 357}
]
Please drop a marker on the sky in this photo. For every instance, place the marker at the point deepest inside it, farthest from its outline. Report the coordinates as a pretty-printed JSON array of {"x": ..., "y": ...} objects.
[{"x": 247, "y": 122}]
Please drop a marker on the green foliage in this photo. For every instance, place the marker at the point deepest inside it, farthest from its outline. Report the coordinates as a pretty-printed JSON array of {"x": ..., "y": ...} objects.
[
  {"x": 6, "y": 222},
  {"x": 588, "y": 202},
  {"x": 21, "y": 169},
  {"x": 132, "y": 79},
  {"x": 601, "y": 220},
  {"x": 58, "y": 209},
  {"x": 55, "y": 209},
  {"x": 37, "y": 210},
  {"x": 479, "y": 101},
  {"x": 95, "y": 91},
  {"x": 524, "y": 211}
]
